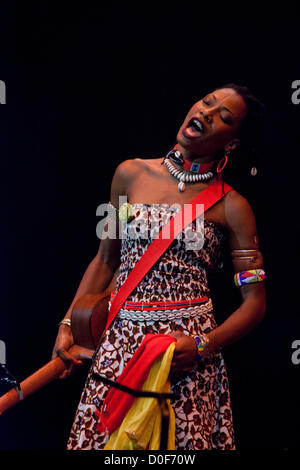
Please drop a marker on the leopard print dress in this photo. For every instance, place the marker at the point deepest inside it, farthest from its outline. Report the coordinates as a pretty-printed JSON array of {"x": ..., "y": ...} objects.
[{"x": 202, "y": 410}]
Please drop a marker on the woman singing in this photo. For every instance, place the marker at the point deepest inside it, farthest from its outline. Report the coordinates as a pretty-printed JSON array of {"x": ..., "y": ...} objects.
[{"x": 214, "y": 129}]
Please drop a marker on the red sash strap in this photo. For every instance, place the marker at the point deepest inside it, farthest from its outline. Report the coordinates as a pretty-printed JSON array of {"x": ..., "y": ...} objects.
[{"x": 208, "y": 197}]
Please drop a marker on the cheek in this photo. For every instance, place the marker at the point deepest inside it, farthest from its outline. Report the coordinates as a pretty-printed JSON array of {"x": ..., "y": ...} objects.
[{"x": 225, "y": 133}]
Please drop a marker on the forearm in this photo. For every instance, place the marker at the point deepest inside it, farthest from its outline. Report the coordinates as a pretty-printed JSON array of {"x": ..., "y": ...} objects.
[
  {"x": 240, "y": 322},
  {"x": 95, "y": 280}
]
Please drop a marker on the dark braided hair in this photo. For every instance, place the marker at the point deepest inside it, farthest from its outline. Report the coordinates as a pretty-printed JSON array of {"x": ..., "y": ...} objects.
[{"x": 245, "y": 156}]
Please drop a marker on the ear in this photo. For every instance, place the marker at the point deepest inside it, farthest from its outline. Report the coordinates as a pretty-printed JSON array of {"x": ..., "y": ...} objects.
[{"x": 232, "y": 145}]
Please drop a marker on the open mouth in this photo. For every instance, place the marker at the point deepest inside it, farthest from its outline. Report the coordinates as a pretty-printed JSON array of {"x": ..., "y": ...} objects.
[{"x": 194, "y": 128}]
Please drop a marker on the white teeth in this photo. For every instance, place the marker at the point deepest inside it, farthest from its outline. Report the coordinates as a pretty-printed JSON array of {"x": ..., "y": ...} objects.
[{"x": 198, "y": 124}]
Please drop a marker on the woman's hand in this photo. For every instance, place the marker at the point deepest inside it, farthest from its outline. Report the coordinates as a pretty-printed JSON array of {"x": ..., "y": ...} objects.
[
  {"x": 185, "y": 352},
  {"x": 63, "y": 343}
]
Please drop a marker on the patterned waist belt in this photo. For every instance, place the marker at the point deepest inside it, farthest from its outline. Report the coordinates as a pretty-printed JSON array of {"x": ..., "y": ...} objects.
[{"x": 165, "y": 310}]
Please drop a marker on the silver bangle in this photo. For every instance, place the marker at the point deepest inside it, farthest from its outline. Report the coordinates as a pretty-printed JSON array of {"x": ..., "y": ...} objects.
[{"x": 65, "y": 321}]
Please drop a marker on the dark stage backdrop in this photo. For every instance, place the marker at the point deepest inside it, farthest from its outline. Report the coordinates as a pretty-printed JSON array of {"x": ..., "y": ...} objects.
[{"x": 89, "y": 86}]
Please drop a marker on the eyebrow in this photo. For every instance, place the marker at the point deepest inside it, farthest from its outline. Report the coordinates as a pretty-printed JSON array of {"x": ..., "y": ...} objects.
[{"x": 223, "y": 107}]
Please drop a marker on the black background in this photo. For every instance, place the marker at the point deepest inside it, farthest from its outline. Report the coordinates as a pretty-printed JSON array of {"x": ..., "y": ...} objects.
[{"x": 89, "y": 86}]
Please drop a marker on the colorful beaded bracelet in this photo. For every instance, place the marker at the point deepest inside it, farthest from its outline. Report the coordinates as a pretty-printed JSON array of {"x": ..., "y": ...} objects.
[
  {"x": 202, "y": 342},
  {"x": 247, "y": 277}
]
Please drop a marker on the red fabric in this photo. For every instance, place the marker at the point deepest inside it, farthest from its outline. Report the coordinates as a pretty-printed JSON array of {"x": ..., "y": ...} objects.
[
  {"x": 209, "y": 196},
  {"x": 117, "y": 403},
  {"x": 203, "y": 167},
  {"x": 170, "y": 304}
]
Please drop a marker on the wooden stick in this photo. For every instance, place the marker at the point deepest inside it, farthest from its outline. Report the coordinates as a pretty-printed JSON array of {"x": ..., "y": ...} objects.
[{"x": 41, "y": 377}]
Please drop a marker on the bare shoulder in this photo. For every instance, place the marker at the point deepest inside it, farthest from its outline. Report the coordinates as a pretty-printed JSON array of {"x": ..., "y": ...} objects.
[
  {"x": 123, "y": 176},
  {"x": 128, "y": 168},
  {"x": 240, "y": 220},
  {"x": 150, "y": 164},
  {"x": 237, "y": 208}
]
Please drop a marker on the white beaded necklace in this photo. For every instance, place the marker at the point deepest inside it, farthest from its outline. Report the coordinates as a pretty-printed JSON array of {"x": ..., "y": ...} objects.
[{"x": 183, "y": 176}]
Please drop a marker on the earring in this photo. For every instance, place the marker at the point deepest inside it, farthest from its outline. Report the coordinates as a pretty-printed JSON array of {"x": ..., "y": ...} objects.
[{"x": 221, "y": 164}]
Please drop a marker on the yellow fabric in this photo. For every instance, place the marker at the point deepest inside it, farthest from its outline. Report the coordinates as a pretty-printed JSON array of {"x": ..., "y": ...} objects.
[{"x": 141, "y": 427}]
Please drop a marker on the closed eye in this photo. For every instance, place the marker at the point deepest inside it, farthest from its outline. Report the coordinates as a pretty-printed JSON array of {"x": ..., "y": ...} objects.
[{"x": 226, "y": 120}]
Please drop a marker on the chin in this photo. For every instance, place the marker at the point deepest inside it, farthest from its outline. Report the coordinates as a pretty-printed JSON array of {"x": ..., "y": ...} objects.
[
  {"x": 186, "y": 143},
  {"x": 182, "y": 140}
]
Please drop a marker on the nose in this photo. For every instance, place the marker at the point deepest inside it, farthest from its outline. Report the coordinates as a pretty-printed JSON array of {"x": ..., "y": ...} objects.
[
  {"x": 209, "y": 114},
  {"x": 206, "y": 116}
]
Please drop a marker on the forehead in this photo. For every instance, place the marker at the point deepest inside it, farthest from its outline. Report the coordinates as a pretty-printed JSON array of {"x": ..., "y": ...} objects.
[{"x": 232, "y": 100}]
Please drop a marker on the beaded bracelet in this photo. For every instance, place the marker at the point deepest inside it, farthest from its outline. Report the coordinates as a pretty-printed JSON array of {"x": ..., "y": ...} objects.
[
  {"x": 247, "y": 277},
  {"x": 202, "y": 342}
]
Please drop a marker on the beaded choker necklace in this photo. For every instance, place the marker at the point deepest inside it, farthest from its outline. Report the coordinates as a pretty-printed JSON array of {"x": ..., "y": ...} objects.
[{"x": 189, "y": 172}]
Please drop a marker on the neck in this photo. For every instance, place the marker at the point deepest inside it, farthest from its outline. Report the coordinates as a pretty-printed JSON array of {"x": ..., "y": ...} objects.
[{"x": 194, "y": 157}]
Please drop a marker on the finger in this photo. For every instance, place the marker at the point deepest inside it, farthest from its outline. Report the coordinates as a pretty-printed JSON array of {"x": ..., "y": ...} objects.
[
  {"x": 180, "y": 369},
  {"x": 178, "y": 366},
  {"x": 64, "y": 375},
  {"x": 67, "y": 358},
  {"x": 68, "y": 372}
]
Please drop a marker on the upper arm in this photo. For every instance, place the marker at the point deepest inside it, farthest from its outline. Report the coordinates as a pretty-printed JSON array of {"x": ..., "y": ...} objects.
[
  {"x": 241, "y": 222},
  {"x": 241, "y": 225},
  {"x": 122, "y": 178},
  {"x": 109, "y": 248}
]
